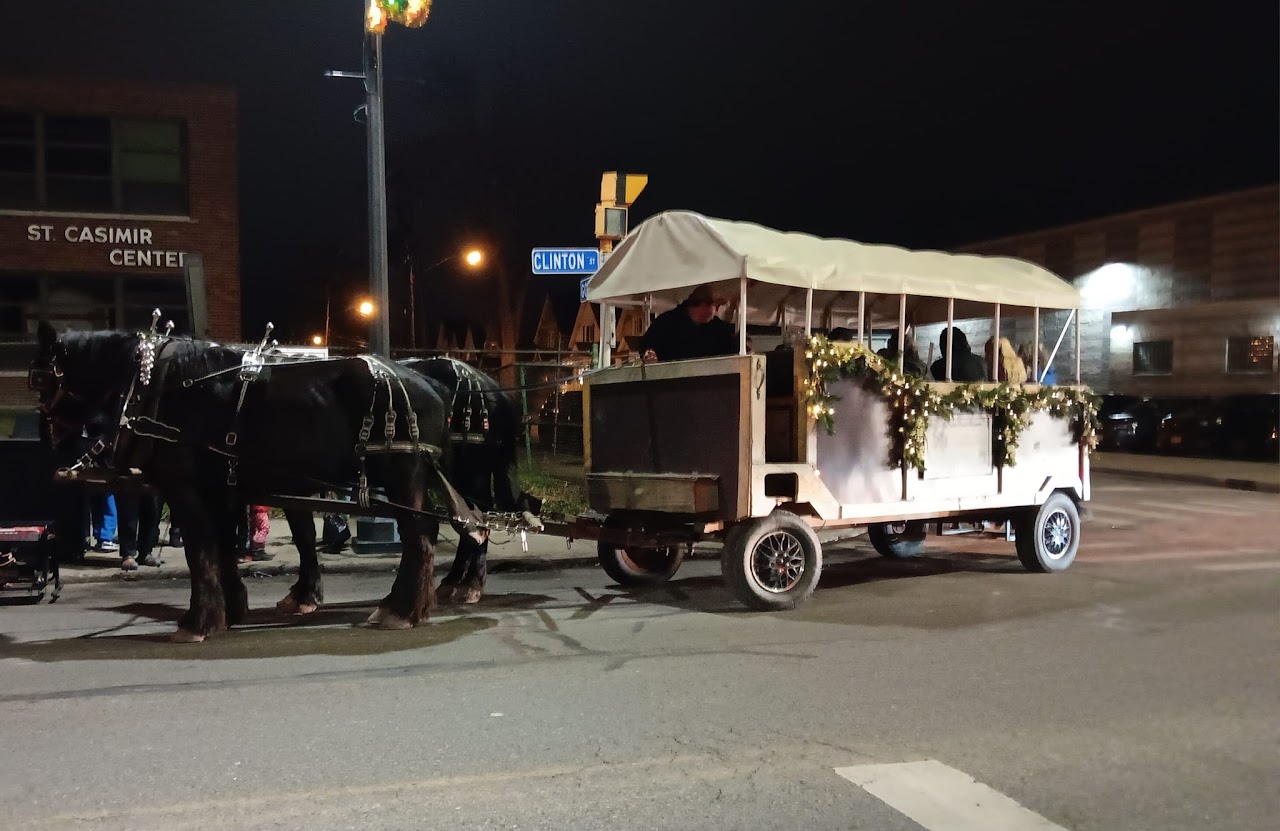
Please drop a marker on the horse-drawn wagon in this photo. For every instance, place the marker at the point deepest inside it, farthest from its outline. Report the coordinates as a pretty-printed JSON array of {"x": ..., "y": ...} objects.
[{"x": 761, "y": 451}]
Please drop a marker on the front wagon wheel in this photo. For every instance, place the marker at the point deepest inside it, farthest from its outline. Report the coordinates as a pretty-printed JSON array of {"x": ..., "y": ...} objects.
[
  {"x": 634, "y": 566},
  {"x": 772, "y": 563}
]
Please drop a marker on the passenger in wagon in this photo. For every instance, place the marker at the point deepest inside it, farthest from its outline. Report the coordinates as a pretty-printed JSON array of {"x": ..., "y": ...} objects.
[
  {"x": 966, "y": 367},
  {"x": 912, "y": 364},
  {"x": 1011, "y": 368},
  {"x": 690, "y": 330}
]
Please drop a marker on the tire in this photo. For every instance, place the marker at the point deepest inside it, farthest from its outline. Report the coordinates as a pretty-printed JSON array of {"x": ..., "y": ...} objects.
[
  {"x": 754, "y": 552},
  {"x": 1048, "y": 538},
  {"x": 640, "y": 566},
  {"x": 897, "y": 540}
]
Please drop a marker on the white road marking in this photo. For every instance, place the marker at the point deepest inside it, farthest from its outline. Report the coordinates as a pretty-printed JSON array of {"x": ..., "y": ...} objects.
[
  {"x": 1273, "y": 564},
  {"x": 1199, "y": 508},
  {"x": 941, "y": 798},
  {"x": 1193, "y": 554}
]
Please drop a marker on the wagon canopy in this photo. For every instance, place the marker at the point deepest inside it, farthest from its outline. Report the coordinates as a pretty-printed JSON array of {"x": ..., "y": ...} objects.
[{"x": 669, "y": 254}]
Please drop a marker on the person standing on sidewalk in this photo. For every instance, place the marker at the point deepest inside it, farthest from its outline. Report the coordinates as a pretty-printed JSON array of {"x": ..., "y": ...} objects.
[
  {"x": 254, "y": 528},
  {"x": 102, "y": 508},
  {"x": 139, "y": 529}
]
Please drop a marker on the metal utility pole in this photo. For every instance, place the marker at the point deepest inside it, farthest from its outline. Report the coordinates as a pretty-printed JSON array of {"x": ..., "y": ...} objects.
[{"x": 380, "y": 330}]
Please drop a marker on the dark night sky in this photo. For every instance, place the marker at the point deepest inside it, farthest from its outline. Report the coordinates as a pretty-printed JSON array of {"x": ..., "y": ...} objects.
[{"x": 925, "y": 124}]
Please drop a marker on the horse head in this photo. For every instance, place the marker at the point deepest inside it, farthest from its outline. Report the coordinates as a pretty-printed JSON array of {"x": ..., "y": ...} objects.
[{"x": 80, "y": 379}]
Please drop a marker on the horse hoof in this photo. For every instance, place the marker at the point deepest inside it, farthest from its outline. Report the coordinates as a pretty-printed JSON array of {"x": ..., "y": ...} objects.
[
  {"x": 288, "y": 605},
  {"x": 390, "y": 620},
  {"x": 305, "y": 608},
  {"x": 445, "y": 592},
  {"x": 471, "y": 595},
  {"x": 377, "y": 616},
  {"x": 186, "y": 636}
]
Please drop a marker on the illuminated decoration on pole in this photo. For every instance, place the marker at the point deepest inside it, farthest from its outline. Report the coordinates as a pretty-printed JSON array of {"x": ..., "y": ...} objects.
[{"x": 411, "y": 13}]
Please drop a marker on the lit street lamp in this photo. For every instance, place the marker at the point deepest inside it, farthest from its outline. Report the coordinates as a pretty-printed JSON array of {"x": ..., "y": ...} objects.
[
  {"x": 472, "y": 258},
  {"x": 317, "y": 340},
  {"x": 411, "y": 13},
  {"x": 365, "y": 308}
]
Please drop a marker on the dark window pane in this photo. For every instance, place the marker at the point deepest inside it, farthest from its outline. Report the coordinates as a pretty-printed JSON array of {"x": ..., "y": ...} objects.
[
  {"x": 82, "y": 302},
  {"x": 77, "y": 129},
  {"x": 138, "y": 198},
  {"x": 1153, "y": 358},
  {"x": 17, "y": 126},
  {"x": 17, "y": 190},
  {"x": 168, "y": 294},
  {"x": 151, "y": 167},
  {"x": 78, "y": 194},
  {"x": 150, "y": 136},
  {"x": 17, "y": 158},
  {"x": 79, "y": 161},
  {"x": 18, "y": 298}
]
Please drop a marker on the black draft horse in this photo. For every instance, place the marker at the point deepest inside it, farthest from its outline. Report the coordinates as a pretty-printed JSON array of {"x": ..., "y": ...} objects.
[
  {"x": 484, "y": 432},
  {"x": 210, "y": 440}
]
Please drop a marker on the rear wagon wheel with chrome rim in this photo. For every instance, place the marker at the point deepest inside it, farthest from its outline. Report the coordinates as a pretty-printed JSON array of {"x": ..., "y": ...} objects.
[
  {"x": 1048, "y": 539},
  {"x": 772, "y": 563}
]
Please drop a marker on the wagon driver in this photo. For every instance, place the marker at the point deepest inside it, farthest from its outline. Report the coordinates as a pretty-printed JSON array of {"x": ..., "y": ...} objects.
[{"x": 690, "y": 330}]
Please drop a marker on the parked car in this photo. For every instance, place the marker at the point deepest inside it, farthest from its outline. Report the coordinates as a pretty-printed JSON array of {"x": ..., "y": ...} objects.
[
  {"x": 1130, "y": 423},
  {"x": 1192, "y": 426},
  {"x": 559, "y": 422}
]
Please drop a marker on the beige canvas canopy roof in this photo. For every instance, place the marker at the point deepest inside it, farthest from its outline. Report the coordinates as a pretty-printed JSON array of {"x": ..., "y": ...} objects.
[{"x": 669, "y": 254}]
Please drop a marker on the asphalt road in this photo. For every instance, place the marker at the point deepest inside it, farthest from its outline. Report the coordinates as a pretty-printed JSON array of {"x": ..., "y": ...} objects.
[{"x": 1139, "y": 690}]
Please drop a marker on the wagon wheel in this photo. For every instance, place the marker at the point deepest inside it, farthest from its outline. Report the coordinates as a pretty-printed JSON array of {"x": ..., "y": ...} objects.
[
  {"x": 772, "y": 563},
  {"x": 640, "y": 566},
  {"x": 1048, "y": 539},
  {"x": 897, "y": 540}
]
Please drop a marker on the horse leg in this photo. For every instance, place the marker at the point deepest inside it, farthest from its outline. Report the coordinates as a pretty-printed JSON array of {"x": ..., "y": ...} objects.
[
  {"x": 477, "y": 566},
  {"x": 308, "y": 593},
  {"x": 207, "y": 611},
  {"x": 235, "y": 597},
  {"x": 448, "y": 588},
  {"x": 413, "y": 592}
]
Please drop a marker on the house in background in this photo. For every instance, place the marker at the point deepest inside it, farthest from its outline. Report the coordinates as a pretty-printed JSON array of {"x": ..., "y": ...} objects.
[
  {"x": 1177, "y": 300},
  {"x": 629, "y": 324}
]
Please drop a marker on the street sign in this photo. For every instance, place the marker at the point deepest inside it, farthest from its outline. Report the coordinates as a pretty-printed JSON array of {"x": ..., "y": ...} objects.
[
  {"x": 582, "y": 289},
  {"x": 566, "y": 261}
]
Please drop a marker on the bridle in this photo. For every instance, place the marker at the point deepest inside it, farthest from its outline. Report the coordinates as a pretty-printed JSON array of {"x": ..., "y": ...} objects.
[{"x": 47, "y": 378}]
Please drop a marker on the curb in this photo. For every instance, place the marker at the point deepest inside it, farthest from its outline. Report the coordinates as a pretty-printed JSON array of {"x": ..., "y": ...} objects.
[
  {"x": 1196, "y": 479},
  {"x": 372, "y": 566}
]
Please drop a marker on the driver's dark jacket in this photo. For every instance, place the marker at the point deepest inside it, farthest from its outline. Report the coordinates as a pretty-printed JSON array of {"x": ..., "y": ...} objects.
[{"x": 674, "y": 337}]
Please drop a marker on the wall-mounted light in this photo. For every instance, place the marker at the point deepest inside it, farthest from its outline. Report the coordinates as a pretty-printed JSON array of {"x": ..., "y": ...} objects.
[{"x": 1109, "y": 283}]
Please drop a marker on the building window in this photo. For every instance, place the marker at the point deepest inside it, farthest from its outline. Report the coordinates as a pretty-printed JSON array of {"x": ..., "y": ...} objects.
[
  {"x": 1153, "y": 357},
  {"x": 588, "y": 334},
  {"x": 18, "y": 160},
  {"x": 92, "y": 164},
  {"x": 1250, "y": 354}
]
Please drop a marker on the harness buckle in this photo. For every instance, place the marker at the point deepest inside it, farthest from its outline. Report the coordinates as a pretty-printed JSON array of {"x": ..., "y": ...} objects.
[{"x": 232, "y": 438}]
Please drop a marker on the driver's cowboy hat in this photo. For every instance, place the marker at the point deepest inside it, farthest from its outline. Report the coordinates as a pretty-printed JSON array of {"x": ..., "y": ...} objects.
[{"x": 704, "y": 294}]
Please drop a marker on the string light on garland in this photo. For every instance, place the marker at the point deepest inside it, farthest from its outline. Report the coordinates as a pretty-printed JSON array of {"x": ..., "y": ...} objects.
[
  {"x": 410, "y": 13},
  {"x": 913, "y": 402}
]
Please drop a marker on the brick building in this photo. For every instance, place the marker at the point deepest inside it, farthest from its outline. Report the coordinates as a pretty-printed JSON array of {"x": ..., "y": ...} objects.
[
  {"x": 1177, "y": 300},
  {"x": 105, "y": 187}
]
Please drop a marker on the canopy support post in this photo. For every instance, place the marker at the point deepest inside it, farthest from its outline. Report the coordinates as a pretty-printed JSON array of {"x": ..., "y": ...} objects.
[
  {"x": 995, "y": 346},
  {"x": 808, "y": 313},
  {"x": 1058, "y": 345},
  {"x": 1078, "y": 350},
  {"x": 862, "y": 311},
  {"x": 902, "y": 332},
  {"x": 606, "y": 335},
  {"x": 951, "y": 319},
  {"x": 742, "y": 315},
  {"x": 1035, "y": 345}
]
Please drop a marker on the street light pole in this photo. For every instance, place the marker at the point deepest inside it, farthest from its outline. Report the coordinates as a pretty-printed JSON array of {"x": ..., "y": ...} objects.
[{"x": 380, "y": 334}]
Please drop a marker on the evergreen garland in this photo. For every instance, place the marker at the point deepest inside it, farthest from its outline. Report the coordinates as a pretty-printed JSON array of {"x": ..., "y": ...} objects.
[{"x": 912, "y": 402}]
